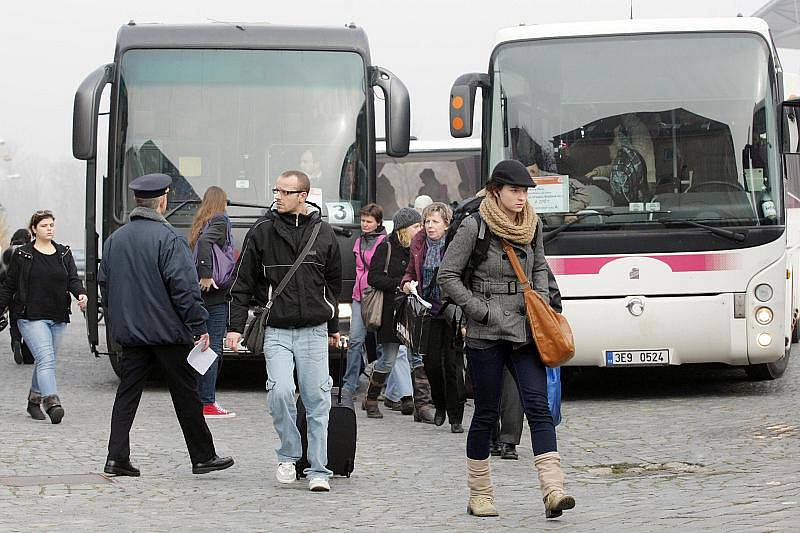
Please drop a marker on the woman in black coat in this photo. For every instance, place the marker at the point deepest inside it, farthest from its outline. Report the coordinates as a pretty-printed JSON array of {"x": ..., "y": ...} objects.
[{"x": 386, "y": 277}]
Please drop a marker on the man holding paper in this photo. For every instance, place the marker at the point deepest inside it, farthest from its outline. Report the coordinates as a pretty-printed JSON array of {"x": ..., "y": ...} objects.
[{"x": 155, "y": 312}]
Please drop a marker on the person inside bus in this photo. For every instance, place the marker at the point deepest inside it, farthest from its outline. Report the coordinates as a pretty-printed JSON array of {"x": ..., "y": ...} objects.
[
  {"x": 311, "y": 166},
  {"x": 432, "y": 187},
  {"x": 498, "y": 334}
]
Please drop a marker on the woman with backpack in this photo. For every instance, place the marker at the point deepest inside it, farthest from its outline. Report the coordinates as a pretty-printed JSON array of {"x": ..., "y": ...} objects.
[
  {"x": 443, "y": 353},
  {"x": 372, "y": 234},
  {"x": 22, "y": 354},
  {"x": 497, "y": 331},
  {"x": 385, "y": 272},
  {"x": 210, "y": 240},
  {"x": 40, "y": 278}
]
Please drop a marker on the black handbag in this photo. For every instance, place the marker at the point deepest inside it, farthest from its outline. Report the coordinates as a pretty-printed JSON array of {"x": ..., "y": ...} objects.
[{"x": 254, "y": 332}]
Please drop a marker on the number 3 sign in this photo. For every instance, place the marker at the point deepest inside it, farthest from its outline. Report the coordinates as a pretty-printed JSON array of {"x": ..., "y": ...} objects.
[{"x": 340, "y": 212}]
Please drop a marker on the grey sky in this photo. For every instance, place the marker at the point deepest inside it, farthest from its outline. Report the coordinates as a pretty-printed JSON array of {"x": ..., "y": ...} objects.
[{"x": 46, "y": 49}]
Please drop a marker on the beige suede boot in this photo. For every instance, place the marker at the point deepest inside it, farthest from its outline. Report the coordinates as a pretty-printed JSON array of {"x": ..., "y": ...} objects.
[
  {"x": 551, "y": 481},
  {"x": 481, "y": 491}
]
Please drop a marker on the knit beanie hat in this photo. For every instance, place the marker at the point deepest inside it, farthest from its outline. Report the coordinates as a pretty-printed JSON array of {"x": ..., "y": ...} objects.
[{"x": 406, "y": 217}]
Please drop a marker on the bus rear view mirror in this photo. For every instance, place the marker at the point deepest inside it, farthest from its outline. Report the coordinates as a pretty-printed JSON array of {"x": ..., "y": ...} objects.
[
  {"x": 86, "y": 108},
  {"x": 790, "y": 128},
  {"x": 398, "y": 111},
  {"x": 462, "y": 102}
]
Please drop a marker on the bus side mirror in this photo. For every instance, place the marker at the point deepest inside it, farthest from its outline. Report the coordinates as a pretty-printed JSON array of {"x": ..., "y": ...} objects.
[
  {"x": 462, "y": 102},
  {"x": 790, "y": 126},
  {"x": 398, "y": 111},
  {"x": 85, "y": 110}
]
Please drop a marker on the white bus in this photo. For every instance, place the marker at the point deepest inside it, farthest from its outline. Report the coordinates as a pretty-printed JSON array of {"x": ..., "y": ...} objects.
[{"x": 663, "y": 183}]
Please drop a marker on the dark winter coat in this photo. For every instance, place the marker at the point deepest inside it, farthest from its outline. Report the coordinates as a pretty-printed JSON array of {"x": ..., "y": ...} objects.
[
  {"x": 270, "y": 248},
  {"x": 15, "y": 288},
  {"x": 215, "y": 233},
  {"x": 388, "y": 282},
  {"x": 149, "y": 284}
]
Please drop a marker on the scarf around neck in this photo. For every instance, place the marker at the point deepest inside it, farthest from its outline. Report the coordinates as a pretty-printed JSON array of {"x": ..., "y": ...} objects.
[
  {"x": 433, "y": 258},
  {"x": 519, "y": 231}
]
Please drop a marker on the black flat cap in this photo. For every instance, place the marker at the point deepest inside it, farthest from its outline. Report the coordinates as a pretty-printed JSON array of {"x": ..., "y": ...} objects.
[
  {"x": 150, "y": 185},
  {"x": 512, "y": 172}
]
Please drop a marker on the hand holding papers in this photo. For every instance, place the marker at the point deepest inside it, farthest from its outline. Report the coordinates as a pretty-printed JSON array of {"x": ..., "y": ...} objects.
[{"x": 413, "y": 286}]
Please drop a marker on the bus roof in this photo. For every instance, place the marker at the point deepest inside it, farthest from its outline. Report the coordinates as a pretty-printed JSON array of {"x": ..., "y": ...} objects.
[
  {"x": 633, "y": 27},
  {"x": 243, "y": 36}
]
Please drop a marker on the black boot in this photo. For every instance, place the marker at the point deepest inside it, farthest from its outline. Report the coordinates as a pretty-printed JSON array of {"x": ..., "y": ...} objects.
[
  {"x": 16, "y": 347},
  {"x": 423, "y": 408},
  {"x": 439, "y": 417},
  {"x": 52, "y": 406},
  {"x": 407, "y": 405},
  {"x": 508, "y": 451},
  {"x": 34, "y": 399},
  {"x": 376, "y": 382}
]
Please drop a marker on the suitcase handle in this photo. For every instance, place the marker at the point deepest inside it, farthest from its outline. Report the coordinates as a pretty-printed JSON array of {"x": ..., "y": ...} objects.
[{"x": 343, "y": 341}]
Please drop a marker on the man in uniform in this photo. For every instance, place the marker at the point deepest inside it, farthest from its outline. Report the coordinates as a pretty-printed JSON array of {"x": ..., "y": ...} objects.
[{"x": 155, "y": 312}]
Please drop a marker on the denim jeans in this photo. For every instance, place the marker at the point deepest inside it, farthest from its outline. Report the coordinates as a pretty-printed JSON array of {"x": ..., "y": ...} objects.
[
  {"x": 355, "y": 350},
  {"x": 486, "y": 369},
  {"x": 387, "y": 354},
  {"x": 43, "y": 337},
  {"x": 216, "y": 325},
  {"x": 399, "y": 383},
  {"x": 306, "y": 348}
]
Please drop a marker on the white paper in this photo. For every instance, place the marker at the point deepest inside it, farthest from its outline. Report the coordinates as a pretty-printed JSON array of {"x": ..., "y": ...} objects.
[
  {"x": 201, "y": 360},
  {"x": 413, "y": 287},
  {"x": 551, "y": 194}
]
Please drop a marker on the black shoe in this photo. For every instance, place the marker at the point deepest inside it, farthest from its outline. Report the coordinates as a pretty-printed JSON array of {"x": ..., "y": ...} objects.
[
  {"x": 215, "y": 463},
  {"x": 407, "y": 405},
  {"x": 508, "y": 451},
  {"x": 391, "y": 404},
  {"x": 456, "y": 428},
  {"x": 121, "y": 468},
  {"x": 439, "y": 417},
  {"x": 16, "y": 347},
  {"x": 494, "y": 449}
]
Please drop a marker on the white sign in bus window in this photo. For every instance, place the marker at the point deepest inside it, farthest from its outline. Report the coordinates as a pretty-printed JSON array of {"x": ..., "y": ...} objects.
[
  {"x": 340, "y": 213},
  {"x": 551, "y": 194},
  {"x": 315, "y": 195}
]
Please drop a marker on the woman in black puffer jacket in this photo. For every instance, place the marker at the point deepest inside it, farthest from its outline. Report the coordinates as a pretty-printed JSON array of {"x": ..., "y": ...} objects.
[{"x": 22, "y": 354}]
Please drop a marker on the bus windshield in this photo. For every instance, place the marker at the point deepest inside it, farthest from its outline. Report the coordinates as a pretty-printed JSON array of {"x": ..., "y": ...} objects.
[
  {"x": 640, "y": 128},
  {"x": 238, "y": 118}
]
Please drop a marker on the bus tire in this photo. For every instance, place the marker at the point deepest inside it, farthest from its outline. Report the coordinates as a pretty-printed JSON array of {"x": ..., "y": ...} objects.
[
  {"x": 795, "y": 333},
  {"x": 768, "y": 371}
]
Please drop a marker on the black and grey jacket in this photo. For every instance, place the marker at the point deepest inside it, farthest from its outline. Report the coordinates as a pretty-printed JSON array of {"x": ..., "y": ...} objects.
[
  {"x": 216, "y": 233},
  {"x": 270, "y": 248},
  {"x": 15, "y": 288},
  {"x": 493, "y": 303}
]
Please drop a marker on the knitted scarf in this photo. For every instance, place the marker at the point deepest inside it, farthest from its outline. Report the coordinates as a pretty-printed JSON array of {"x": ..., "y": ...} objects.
[
  {"x": 433, "y": 258},
  {"x": 518, "y": 231}
]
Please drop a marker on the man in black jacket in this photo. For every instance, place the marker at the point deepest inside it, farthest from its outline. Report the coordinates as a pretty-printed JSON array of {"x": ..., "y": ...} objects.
[
  {"x": 303, "y": 320},
  {"x": 154, "y": 311}
]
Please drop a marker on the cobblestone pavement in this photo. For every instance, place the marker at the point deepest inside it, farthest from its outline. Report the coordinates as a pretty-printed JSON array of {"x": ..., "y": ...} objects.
[{"x": 691, "y": 448}]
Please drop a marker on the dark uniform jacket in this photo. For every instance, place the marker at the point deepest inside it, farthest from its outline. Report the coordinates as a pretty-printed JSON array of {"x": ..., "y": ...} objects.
[
  {"x": 15, "y": 287},
  {"x": 149, "y": 284},
  {"x": 270, "y": 248},
  {"x": 388, "y": 281},
  {"x": 215, "y": 233}
]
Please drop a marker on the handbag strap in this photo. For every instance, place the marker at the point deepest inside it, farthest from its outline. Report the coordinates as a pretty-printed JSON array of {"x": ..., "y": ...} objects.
[
  {"x": 515, "y": 264},
  {"x": 388, "y": 256},
  {"x": 294, "y": 267}
]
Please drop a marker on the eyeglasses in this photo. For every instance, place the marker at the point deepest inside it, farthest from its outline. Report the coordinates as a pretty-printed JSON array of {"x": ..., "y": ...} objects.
[{"x": 282, "y": 192}]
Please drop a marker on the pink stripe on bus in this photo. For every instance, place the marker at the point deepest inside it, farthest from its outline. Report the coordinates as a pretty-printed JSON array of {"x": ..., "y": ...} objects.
[{"x": 571, "y": 266}]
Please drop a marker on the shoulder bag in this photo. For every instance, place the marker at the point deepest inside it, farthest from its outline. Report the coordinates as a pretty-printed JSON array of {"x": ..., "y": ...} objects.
[
  {"x": 372, "y": 300},
  {"x": 551, "y": 331}
]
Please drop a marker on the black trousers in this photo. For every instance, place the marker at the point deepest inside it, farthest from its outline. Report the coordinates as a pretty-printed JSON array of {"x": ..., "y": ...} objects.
[
  {"x": 136, "y": 362},
  {"x": 444, "y": 365},
  {"x": 509, "y": 428}
]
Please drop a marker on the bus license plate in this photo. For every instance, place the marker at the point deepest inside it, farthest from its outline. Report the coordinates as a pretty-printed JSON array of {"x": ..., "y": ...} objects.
[{"x": 637, "y": 357}]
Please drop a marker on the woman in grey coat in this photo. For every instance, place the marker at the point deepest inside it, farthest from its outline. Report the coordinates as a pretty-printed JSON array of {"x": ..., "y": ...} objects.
[{"x": 498, "y": 334}]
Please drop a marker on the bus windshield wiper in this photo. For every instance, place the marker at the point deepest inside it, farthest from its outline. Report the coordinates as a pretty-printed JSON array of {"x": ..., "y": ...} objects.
[
  {"x": 553, "y": 233},
  {"x": 722, "y": 232}
]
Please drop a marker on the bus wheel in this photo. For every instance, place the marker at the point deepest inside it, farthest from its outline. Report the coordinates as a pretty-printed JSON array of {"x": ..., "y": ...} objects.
[{"x": 768, "y": 371}]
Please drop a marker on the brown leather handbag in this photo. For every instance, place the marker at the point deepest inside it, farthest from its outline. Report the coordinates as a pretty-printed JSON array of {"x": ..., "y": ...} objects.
[{"x": 551, "y": 331}]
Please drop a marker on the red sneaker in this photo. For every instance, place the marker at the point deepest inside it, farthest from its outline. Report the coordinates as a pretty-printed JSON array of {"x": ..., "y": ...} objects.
[{"x": 215, "y": 410}]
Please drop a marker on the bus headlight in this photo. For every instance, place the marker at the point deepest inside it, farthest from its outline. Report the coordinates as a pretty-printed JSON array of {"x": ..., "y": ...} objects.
[
  {"x": 345, "y": 310},
  {"x": 763, "y": 292},
  {"x": 764, "y": 339},
  {"x": 764, "y": 315}
]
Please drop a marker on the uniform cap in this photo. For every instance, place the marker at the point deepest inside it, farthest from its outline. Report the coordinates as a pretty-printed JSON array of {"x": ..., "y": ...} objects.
[{"x": 150, "y": 185}]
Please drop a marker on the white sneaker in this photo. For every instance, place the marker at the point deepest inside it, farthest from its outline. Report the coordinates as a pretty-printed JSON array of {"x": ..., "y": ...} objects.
[
  {"x": 285, "y": 473},
  {"x": 318, "y": 484}
]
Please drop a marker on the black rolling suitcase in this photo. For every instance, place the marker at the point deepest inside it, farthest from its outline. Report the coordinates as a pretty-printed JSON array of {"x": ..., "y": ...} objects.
[{"x": 342, "y": 431}]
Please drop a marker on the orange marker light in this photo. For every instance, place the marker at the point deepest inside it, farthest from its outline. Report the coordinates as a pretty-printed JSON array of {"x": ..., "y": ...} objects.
[
  {"x": 458, "y": 102},
  {"x": 458, "y": 123}
]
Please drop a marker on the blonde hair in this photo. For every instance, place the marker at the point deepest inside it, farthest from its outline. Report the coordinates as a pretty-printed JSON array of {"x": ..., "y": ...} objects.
[
  {"x": 214, "y": 202},
  {"x": 438, "y": 207},
  {"x": 404, "y": 236}
]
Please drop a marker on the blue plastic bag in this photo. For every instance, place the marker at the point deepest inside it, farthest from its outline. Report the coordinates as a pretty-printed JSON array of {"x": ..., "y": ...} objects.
[{"x": 554, "y": 393}]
